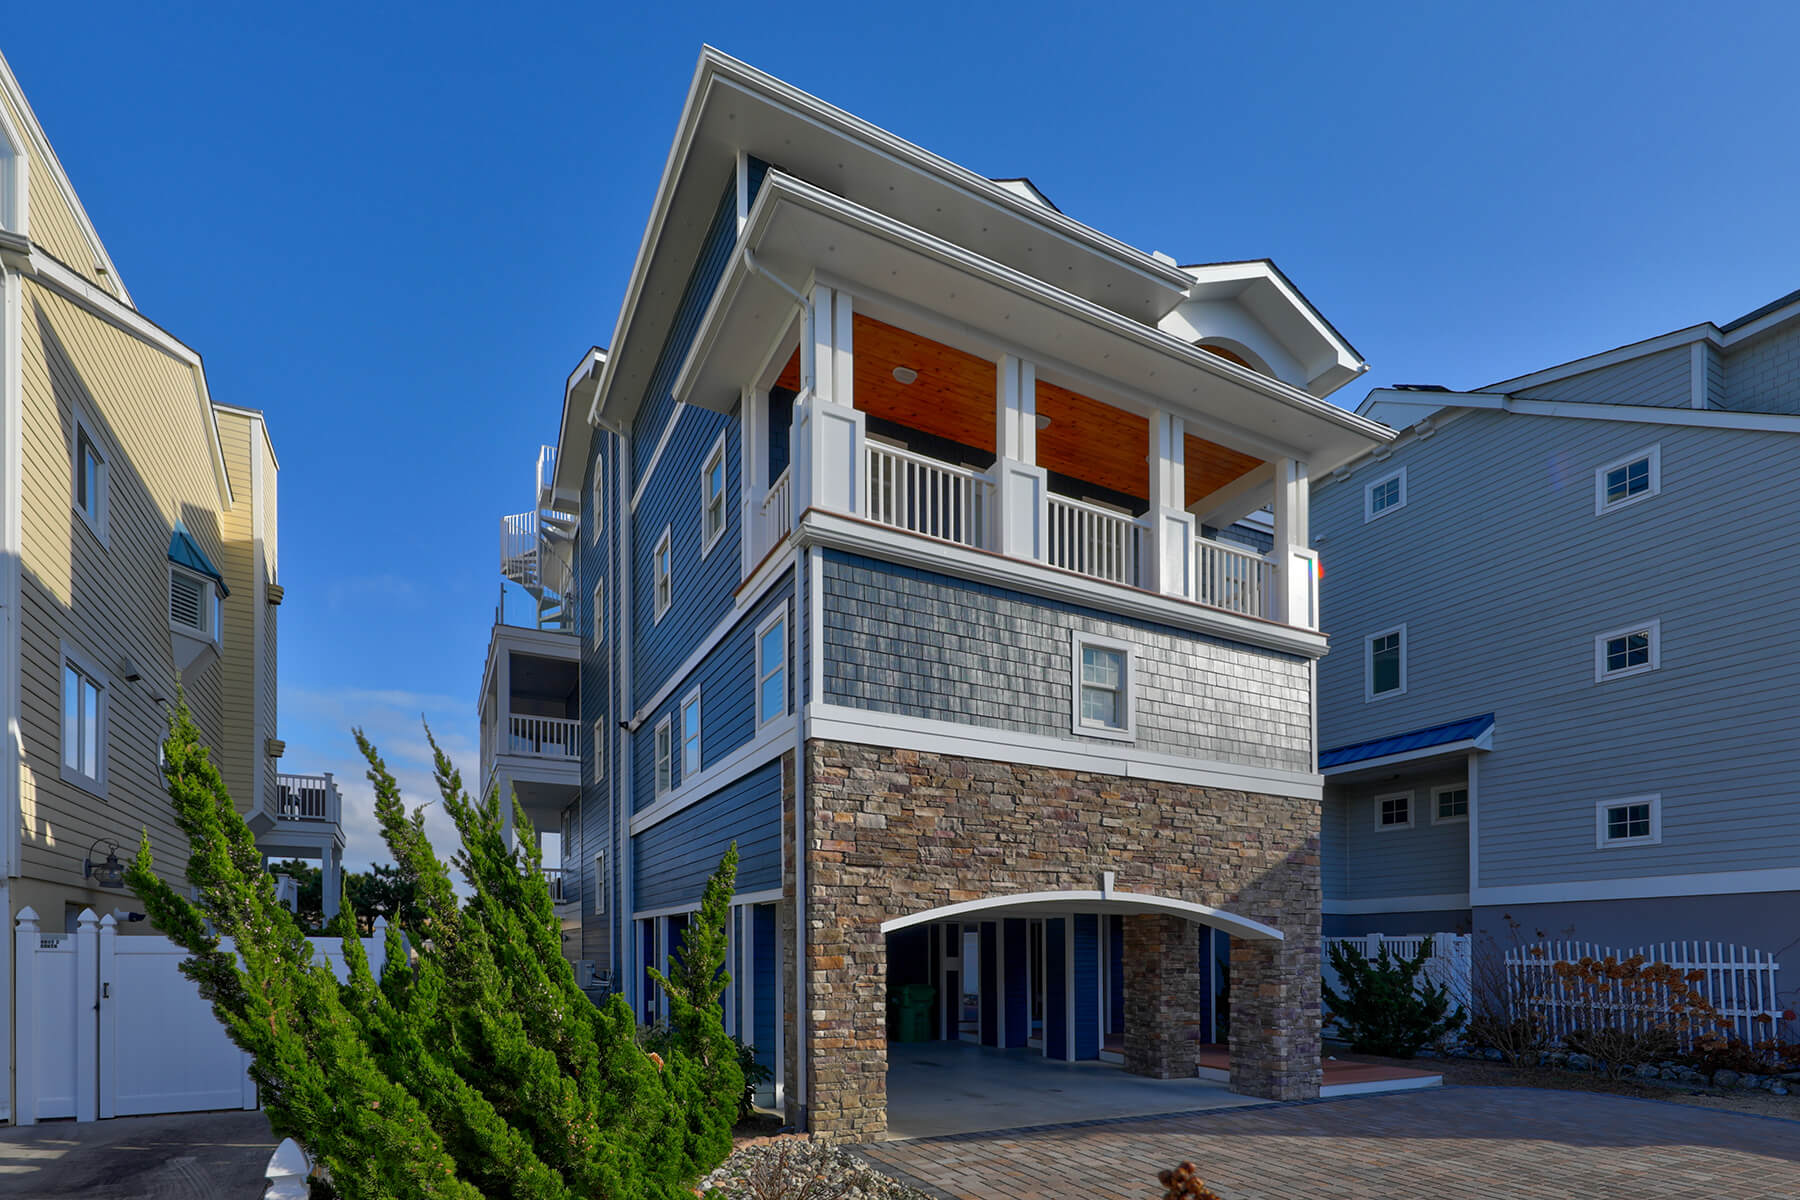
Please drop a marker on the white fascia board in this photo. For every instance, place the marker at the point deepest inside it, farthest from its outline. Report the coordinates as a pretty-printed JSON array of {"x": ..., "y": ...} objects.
[
  {"x": 1395, "y": 904},
  {"x": 1645, "y": 414},
  {"x": 1706, "y": 331},
  {"x": 578, "y": 394},
  {"x": 1331, "y": 360},
  {"x": 834, "y": 531},
  {"x": 1344, "y": 432},
  {"x": 1762, "y": 324}
]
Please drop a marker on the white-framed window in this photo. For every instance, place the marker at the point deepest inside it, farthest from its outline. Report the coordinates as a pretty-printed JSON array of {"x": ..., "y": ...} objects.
[
  {"x": 91, "y": 478},
  {"x": 600, "y": 750},
  {"x": 690, "y": 736},
  {"x": 571, "y": 814},
  {"x": 1633, "y": 821},
  {"x": 1627, "y": 480},
  {"x": 665, "y": 756},
  {"x": 1384, "y": 663},
  {"x": 1384, "y": 494},
  {"x": 1631, "y": 650},
  {"x": 84, "y": 721},
  {"x": 1393, "y": 811},
  {"x": 662, "y": 576},
  {"x": 13, "y": 177},
  {"x": 1450, "y": 804},
  {"x": 1104, "y": 684},
  {"x": 196, "y": 607},
  {"x": 600, "y": 884},
  {"x": 597, "y": 503},
  {"x": 598, "y": 632},
  {"x": 771, "y": 667},
  {"x": 712, "y": 497}
]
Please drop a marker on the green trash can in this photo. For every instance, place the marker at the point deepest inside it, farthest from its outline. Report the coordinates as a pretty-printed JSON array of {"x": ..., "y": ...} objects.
[{"x": 913, "y": 1018}]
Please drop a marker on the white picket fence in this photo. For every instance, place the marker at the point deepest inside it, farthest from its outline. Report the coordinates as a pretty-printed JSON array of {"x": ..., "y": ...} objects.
[
  {"x": 108, "y": 1026},
  {"x": 1450, "y": 964},
  {"x": 1738, "y": 981}
]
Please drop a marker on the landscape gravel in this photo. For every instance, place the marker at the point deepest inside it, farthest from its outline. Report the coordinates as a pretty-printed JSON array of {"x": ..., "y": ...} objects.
[{"x": 814, "y": 1171}]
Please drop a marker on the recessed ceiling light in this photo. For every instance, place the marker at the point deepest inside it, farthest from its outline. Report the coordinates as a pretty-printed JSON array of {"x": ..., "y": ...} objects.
[
  {"x": 1043, "y": 422},
  {"x": 905, "y": 374}
]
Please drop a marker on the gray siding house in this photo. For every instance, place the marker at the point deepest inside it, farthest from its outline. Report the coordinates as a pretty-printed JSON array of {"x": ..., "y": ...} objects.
[
  {"x": 1566, "y": 644},
  {"x": 882, "y": 541}
]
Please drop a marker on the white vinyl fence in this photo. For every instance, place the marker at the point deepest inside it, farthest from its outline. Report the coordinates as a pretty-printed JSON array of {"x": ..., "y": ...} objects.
[
  {"x": 1449, "y": 964},
  {"x": 108, "y": 1026},
  {"x": 1738, "y": 981}
]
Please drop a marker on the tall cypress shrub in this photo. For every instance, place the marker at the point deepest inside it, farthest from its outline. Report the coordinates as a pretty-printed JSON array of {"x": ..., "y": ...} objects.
[{"x": 473, "y": 1066}]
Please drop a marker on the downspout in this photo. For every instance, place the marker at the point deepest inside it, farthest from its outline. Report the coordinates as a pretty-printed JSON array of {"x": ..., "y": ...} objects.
[{"x": 619, "y": 785}]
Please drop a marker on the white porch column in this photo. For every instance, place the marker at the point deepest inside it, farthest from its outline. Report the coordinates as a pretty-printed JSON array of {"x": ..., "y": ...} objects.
[
  {"x": 827, "y": 458},
  {"x": 1021, "y": 488},
  {"x": 1296, "y": 565},
  {"x": 331, "y": 879},
  {"x": 503, "y": 781},
  {"x": 1168, "y": 554}
]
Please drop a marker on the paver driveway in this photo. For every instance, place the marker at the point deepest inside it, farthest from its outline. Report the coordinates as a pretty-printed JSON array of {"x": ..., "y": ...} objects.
[{"x": 1450, "y": 1144}]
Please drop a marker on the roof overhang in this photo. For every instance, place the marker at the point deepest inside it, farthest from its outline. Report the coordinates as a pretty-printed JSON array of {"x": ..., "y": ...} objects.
[
  {"x": 578, "y": 399},
  {"x": 1378, "y": 756},
  {"x": 733, "y": 108},
  {"x": 1254, "y": 304},
  {"x": 798, "y": 232}
]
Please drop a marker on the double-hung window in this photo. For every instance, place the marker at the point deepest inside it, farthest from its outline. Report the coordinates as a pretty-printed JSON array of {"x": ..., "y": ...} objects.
[
  {"x": 1382, "y": 496},
  {"x": 771, "y": 668},
  {"x": 1632, "y": 650},
  {"x": 690, "y": 737},
  {"x": 662, "y": 571},
  {"x": 91, "y": 479},
  {"x": 598, "y": 631},
  {"x": 1103, "y": 686},
  {"x": 1635, "y": 821},
  {"x": 600, "y": 750},
  {"x": 1384, "y": 663},
  {"x": 600, "y": 884},
  {"x": 712, "y": 497},
  {"x": 84, "y": 693},
  {"x": 1628, "y": 480},
  {"x": 665, "y": 757}
]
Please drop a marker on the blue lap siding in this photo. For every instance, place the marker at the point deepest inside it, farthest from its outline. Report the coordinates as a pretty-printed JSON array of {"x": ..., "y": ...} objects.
[{"x": 675, "y": 856}]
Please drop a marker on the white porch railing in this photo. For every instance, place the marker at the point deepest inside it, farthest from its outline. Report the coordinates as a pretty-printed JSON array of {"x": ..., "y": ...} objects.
[
  {"x": 546, "y": 469},
  {"x": 518, "y": 547},
  {"x": 1738, "y": 981},
  {"x": 555, "y": 877},
  {"x": 1233, "y": 578},
  {"x": 1093, "y": 541},
  {"x": 543, "y": 737},
  {"x": 923, "y": 495},
  {"x": 776, "y": 518},
  {"x": 307, "y": 798}
]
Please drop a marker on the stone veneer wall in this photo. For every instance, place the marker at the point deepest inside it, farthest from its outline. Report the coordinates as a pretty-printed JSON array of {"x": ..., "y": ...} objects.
[{"x": 897, "y": 832}]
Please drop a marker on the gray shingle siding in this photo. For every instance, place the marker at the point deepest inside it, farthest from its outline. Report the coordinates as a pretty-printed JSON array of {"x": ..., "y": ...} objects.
[
  {"x": 1763, "y": 374},
  {"x": 1503, "y": 575},
  {"x": 905, "y": 641},
  {"x": 1663, "y": 379}
]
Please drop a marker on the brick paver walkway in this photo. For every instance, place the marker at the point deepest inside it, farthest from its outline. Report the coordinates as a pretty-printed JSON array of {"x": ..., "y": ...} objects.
[{"x": 1451, "y": 1144}]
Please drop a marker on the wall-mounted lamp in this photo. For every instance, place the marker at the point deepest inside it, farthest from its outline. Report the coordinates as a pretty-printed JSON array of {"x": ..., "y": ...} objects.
[{"x": 109, "y": 873}]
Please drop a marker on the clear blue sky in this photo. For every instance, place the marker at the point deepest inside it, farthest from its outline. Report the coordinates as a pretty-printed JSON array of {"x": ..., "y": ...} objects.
[{"x": 395, "y": 228}]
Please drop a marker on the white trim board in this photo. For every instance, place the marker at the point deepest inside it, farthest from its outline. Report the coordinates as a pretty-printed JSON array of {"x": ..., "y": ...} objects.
[
  {"x": 1065, "y": 903},
  {"x": 770, "y": 742},
  {"x": 836, "y": 722},
  {"x": 739, "y": 900},
  {"x": 1706, "y": 418},
  {"x": 1643, "y": 887},
  {"x": 1395, "y": 904}
]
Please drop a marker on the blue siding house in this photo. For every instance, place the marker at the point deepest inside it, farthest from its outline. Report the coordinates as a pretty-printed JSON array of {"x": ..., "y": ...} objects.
[
  {"x": 1566, "y": 646},
  {"x": 884, "y": 538}
]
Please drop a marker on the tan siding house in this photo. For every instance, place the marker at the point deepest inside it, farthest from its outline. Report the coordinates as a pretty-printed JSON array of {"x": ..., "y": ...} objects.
[{"x": 137, "y": 563}]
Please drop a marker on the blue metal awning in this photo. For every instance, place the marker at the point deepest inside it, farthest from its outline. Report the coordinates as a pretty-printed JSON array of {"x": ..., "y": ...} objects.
[
  {"x": 1475, "y": 731},
  {"x": 185, "y": 553}
]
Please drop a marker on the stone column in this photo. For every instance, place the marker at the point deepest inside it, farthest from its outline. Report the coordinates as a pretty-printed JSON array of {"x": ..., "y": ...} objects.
[
  {"x": 1275, "y": 1017},
  {"x": 1162, "y": 997}
]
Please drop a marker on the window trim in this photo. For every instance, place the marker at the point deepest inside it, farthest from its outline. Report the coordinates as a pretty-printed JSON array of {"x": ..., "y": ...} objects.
[
  {"x": 1412, "y": 811},
  {"x": 1653, "y": 627},
  {"x": 1370, "y": 512},
  {"x": 597, "y": 502},
  {"x": 1654, "y": 454},
  {"x": 663, "y": 756},
  {"x": 710, "y": 538},
  {"x": 692, "y": 701},
  {"x": 99, "y": 522},
  {"x": 599, "y": 749},
  {"x": 1369, "y": 692},
  {"x": 1079, "y": 640},
  {"x": 82, "y": 665},
  {"x": 597, "y": 634},
  {"x": 778, "y": 616},
  {"x": 1602, "y": 842},
  {"x": 662, "y": 580},
  {"x": 1437, "y": 818},
  {"x": 599, "y": 861}
]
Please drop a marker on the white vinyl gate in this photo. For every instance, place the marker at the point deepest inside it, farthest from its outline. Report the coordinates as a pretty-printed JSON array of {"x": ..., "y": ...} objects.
[{"x": 108, "y": 1026}]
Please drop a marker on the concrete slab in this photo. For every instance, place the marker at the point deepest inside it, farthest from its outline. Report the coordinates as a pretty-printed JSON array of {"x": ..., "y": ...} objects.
[
  {"x": 937, "y": 1088},
  {"x": 192, "y": 1156}
]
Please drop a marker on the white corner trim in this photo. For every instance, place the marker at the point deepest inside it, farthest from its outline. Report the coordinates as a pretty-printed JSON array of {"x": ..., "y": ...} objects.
[
  {"x": 1412, "y": 811},
  {"x": 1370, "y": 512},
  {"x": 1652, "y": 627},
  {"x": 1653, "y": 838},
  {"x": 835, "y": 531},
  {"x": 836, "y": 722},
  {"x": 771, "y": 741},
  {"x": 1061, "y": 903},
  {"x": 1653, "y": 454},
  {"x": 1369, "y": 692},
  {"x": 1395, "y": 904},
  {"x": 1644, "y": 887}
]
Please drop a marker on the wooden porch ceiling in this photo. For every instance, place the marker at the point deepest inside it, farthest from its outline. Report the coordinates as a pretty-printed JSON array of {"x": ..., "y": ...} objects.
[{"x": 953, "y": 398}]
